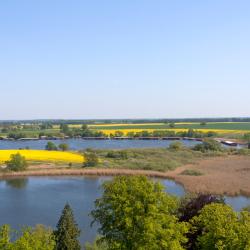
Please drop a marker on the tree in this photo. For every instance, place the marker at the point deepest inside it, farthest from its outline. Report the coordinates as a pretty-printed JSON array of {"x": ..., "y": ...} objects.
[
  {"x": 4, "y": 237},
  {"x": 96, "y": 245},
  {"x": 67, "y": 232},
  {"x": 51, "y": 146},
  {"x": 90, "y": 159},
  {"x": 63, "y": 146},
  {"x": 136, "y": 213},
  {"x": 64, "y": 128},
  {"x": 222, "y": 228},
  {"x": 38, "y": 238},
  {"x": 84, "y": 126},
  {"x": 17, "y": 162},
  {"x": 191, "y": 206},
  {"x": 171, "y": 125}
]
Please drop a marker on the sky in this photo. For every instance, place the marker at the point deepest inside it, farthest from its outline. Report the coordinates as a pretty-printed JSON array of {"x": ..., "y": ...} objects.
[{"x": 124, "y": 59}]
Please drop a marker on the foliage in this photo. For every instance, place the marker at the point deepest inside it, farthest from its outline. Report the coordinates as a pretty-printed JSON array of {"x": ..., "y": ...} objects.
[
  {"x": 222, "y": 228},
  {"x": 159, "y": 159},
  {"x": 247, "y": 208},
  {"x": 208, "y": 145},
  {"x": 51, "y": 146},
  {"x": 191, "y": 172},
  {"x": 176, "y": 145},
  {"x": 90, "y": 159},
  {"x": 38, "y": 238},
  {"x": 5, "y": 237},
  {"x": 17, "y": 135},
  {"x": 171, "y": 125},
  {"x": 136, "y": 213},
  {"x": 64, "y": 128},
  {"x": 17, "y": 162},
  {"x": 63, "y": 146},
  {"x": 191, "y": 206},
  {"x": 117, "y": 154},
  {"x": 96, "y": 245},
  {"x": 247, "y": 137},
  {"x": 67, "y": 232}
]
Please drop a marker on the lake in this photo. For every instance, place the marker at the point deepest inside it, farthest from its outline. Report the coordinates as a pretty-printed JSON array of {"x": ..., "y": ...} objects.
[
  {"x": 78, "y": 144},
  {"x": 37, "y": 200}
]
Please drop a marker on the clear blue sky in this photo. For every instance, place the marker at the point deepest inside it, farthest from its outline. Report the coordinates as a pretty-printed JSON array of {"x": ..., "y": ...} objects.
[{"x": 124, "y": 59}]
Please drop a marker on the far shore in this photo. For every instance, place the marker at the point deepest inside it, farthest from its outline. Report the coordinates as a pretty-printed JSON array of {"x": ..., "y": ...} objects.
[{"x": 228, "y": 175}]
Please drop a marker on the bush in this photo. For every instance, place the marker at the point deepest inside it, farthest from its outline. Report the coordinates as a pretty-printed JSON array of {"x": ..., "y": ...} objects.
[
  {"x": 17, "y": 162},
  {"x": 117, "y": 155},
  {"x": 176, "y": 145},
  {"x": 90, "y": 159},
  {"x": 63, "y": 146},
  {"x": 191, "y": 172},
  {"x": 243, "y": 151},
  {"x": 51, "y": 146},
  {"x": 208, "y": 145}
]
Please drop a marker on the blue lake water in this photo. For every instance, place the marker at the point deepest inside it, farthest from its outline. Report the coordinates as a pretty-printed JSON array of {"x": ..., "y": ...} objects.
[
  {"x": 78, "y": 144},
  {"x": 37, "y": 200}
]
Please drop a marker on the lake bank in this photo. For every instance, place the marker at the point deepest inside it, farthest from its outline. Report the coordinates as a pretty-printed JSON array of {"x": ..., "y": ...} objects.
[{"x": 227, "y": 175}]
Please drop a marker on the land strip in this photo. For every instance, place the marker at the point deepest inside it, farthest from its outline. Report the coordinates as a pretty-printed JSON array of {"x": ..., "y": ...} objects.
[{"x": 225, "y": 175}]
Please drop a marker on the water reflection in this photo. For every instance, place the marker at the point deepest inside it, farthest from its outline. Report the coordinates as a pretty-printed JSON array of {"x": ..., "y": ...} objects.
[{"x": 18, "y": 183}]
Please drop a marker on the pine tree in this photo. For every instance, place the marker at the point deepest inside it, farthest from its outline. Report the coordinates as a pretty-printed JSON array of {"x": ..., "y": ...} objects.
[{"x": 67, "y": 232}]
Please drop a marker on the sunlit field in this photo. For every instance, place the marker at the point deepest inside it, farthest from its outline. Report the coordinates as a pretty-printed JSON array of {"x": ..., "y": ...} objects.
[
  {"x": 43, "y": 156},
  {"x": 176, "y": 130}
]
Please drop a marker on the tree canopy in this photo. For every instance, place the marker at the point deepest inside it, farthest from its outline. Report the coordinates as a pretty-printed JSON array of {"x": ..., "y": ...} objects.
[
  {"x": 136, "y": 213},
  {"x": 17, "y": 162},
  {"x": 67, "y": 231}
]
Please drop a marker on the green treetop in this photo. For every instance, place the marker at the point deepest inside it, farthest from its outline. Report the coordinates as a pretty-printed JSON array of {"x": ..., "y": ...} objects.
[
  {"x": 136, "y": 213},
  {"x": 67, "y": 231}
]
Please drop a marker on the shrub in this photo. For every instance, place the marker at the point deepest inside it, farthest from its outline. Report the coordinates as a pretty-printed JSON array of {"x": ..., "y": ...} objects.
[
  {"x": 63, "y": 146},
  {"x": 17, "y": 162},
  {"x": 208, "y": 145},
  {"x": 51, "y": 146},
  {"x": 117, "y": 155},
  {"x": 176, "y": 145},
  {"x": 191, "y": 172},
  {"x": 243, "y": 151},
  {"x": 90, "y": 159}
]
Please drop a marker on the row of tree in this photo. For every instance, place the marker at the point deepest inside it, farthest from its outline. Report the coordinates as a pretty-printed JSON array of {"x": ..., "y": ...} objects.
[
  {"x": 86, "y": 132},
  {"x": 135, "y": 213}
]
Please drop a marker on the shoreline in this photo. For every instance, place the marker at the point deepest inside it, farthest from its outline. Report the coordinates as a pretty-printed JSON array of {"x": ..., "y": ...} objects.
[{"x": 221, "y": 175}]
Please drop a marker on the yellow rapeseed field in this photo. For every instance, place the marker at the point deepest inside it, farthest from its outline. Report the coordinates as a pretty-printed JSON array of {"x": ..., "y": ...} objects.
[
  {"x": 126, "y": 131},
  {"x": 43, "y": 156},
  {"x": 123, "y": 124}
]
